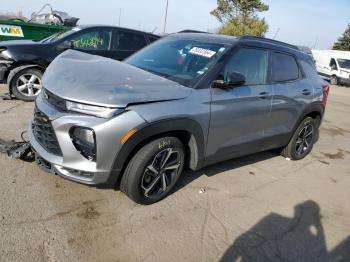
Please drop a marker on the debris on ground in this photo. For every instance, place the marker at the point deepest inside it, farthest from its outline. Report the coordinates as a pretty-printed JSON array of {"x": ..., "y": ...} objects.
[
  {"x": 21, "y": 150},
  {"x": 201, "y": 190},
  {"x": 17, "y": 150},
  {"x": 6, "y": 96}
]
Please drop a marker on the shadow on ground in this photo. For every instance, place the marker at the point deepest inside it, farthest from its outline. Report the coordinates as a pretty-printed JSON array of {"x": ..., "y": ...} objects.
[
  {"x": 218, "y": 168},
  {"x": 279, "y": 238}
]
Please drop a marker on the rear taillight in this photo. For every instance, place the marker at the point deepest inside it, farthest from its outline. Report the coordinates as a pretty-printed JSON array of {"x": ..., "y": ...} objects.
[{"x": 325, "y": 89}]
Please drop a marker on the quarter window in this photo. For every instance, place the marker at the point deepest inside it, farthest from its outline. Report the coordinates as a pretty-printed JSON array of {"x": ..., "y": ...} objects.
[
  {"x": 283, "y": 68},
  {"x": 152, "y": 39},
  {"x": 252, "y": 63}
]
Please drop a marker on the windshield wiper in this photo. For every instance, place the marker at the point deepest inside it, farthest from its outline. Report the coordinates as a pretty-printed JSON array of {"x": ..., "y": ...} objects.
[
  {"x": 155, "y": 72},
  {"x": 170, "y": 77}
]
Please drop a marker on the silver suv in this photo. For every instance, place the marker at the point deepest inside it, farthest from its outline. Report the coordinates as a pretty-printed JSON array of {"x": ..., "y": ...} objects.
[{"x": 186, "y": 101}]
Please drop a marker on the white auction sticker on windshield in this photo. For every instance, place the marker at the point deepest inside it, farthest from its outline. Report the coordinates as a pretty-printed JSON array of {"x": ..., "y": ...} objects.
[{"x": 202, "y": 52}]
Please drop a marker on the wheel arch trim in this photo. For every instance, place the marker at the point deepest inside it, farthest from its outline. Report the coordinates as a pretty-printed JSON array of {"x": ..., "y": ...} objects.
[
  {"x": 314, "y": 108},
  {"x": 17, "y": 69},
  {"x": 149, "y": 131}
]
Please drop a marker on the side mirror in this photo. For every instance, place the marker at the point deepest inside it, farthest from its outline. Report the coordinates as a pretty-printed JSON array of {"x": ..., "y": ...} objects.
[
  {"x": 231, "y": 79},
  {"x": 66, "y": 45}
]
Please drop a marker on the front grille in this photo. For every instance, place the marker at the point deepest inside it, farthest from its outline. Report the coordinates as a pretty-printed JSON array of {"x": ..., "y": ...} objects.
[
  {"x": 44, "y": 133},
  {"x": 58, "y": 102}
]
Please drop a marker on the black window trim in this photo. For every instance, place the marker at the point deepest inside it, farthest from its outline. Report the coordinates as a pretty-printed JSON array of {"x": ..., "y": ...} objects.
[
  {"x": 301, "y": 74},
  {"x": 206, "y": 81},
  {"x": 148, "y": 36}
]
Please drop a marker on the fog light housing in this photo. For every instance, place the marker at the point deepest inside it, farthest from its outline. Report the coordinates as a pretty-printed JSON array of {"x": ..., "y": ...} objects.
[{"x": 84, "y": 141}]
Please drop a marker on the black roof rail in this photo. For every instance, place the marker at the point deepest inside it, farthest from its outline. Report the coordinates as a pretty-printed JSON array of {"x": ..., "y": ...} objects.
[
  {"x": 268, "y": 40},
  {"x": 192, "y": 31}
]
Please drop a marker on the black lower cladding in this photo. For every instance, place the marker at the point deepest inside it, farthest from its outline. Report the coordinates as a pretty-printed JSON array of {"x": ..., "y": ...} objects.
[
  {"x": 43, "y": 164},
  {"x": 44, "y": 132}
]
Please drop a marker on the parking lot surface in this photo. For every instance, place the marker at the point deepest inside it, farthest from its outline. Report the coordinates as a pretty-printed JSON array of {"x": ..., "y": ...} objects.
[{"x": 257, "y": 208}]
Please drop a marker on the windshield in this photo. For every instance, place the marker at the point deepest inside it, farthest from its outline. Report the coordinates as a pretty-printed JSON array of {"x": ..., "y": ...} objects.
[
  {"x": 181, "y": 60},
  {"x": 344, "y": 63},
  {"x": 59, "y": 36}
]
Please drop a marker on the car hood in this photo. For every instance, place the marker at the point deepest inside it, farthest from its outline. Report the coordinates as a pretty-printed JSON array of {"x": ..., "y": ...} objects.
[{"x": 92, "y": 79}]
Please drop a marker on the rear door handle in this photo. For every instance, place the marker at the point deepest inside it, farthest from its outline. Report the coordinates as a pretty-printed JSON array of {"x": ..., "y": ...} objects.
[
  {"x": 306, "y": 92},
  {"x": 263, "y": 95}
]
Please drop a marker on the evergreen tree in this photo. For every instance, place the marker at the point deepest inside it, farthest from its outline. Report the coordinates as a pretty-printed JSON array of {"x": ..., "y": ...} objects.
[{"x": 343, "y": 42}]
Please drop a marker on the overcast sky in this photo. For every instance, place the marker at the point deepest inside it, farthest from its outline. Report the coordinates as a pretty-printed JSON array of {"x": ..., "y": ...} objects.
[{"x": 301, "y": 22}]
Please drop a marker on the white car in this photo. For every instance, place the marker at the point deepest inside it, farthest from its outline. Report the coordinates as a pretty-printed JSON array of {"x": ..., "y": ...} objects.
[{"x": 333, "y": 65}]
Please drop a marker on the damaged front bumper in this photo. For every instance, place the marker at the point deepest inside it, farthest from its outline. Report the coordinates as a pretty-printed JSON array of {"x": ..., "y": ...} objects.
[{"x": 68, "y": 162}]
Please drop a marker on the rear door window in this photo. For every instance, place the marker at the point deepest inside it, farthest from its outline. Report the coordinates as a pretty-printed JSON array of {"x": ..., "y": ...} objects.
[
  {"x": 129, "y": 41},
  {"x": 284, "y": 68}
]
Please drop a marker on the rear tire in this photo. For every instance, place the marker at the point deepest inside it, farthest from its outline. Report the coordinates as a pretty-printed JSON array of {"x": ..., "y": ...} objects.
[
  {"x": 302, "y": 141},
  {"x": 26, "y": 84},
  {"x": 153, "y": 171},
  {"x": 334, "y": 80}
]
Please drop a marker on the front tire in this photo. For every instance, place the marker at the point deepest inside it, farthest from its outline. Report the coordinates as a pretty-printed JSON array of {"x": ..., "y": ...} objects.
[
  {"x": 334, "y": 80},
  {"x": 26, "y": 84},
  {"x": 153, "y": 171},
  {"x": 303, "y": 140}
]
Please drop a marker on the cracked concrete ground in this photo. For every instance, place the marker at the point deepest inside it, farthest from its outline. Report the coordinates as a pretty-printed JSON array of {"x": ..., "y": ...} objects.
[{"x": 257, "y": 208}]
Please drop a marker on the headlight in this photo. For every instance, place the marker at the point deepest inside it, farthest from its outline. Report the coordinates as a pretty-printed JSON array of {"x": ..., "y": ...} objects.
[
  {"x": 4, "y": 53},
  {"x": 99, "y": 111},
  {"x": 84, "y": 141}
]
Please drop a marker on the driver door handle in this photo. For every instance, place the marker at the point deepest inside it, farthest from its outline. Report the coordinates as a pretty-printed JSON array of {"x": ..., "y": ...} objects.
[{"x": 263, "y": 95}]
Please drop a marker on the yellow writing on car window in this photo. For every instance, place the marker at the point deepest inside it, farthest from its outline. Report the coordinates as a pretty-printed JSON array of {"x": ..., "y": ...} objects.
[{"x": 92, "y": 42}]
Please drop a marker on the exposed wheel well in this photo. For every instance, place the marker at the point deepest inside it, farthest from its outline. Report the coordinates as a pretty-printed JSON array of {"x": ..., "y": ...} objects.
[{"x": 315, "y": 115}]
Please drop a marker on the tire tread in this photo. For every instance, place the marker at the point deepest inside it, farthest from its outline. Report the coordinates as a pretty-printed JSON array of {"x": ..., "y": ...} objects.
[{"x": 131, "y": 173}]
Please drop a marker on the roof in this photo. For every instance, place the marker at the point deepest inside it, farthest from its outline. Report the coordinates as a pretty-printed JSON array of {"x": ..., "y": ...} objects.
[
  {"x": 250, "y": 40},
  {"x": 334, "y": 53},
  {"x": 210, "y": 38},
  {"x": 192, "y": 31},
  {"x": 115, "y": 27},
  {"x": 270, "y": 41}
]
